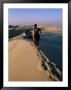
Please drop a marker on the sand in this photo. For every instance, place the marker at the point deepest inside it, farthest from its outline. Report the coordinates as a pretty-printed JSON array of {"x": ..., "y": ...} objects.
[
  {"x": 24, "y": 63},
  {"x": 53, "y": 28}
]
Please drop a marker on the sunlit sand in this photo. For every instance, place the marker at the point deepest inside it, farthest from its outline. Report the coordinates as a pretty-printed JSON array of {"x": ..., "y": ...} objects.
[{"x": 24, "y": 63}]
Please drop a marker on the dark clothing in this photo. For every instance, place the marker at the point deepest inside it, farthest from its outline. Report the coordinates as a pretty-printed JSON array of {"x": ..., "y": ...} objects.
[
  {"x": 36, "y": 43},
  {"x": 36, "y": 36},
  {"x": 37, "y": 33}
]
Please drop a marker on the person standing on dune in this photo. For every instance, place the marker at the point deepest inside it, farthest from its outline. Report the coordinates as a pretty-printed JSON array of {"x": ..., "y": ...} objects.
[{"x": 36, "y": 35}]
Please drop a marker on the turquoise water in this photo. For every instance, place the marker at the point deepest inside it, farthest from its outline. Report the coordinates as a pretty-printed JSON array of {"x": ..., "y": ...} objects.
[{"x": 51, "y": 45}]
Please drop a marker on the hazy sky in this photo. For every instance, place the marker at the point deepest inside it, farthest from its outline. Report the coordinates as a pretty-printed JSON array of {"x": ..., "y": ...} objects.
[{"x": 32, "y": 16}]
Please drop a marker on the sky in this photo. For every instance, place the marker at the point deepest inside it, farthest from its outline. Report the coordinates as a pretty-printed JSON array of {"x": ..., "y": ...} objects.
[{"x": 31, "y": 16}]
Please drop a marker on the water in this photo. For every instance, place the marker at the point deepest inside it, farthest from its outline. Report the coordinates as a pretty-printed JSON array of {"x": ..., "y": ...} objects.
[{"x": 51, "y": 45}]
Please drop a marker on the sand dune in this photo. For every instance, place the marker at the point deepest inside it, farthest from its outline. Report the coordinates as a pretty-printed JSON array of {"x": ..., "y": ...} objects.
[
  {"x": 24, "y": 63},
  {"x": 52, "y": 28}
]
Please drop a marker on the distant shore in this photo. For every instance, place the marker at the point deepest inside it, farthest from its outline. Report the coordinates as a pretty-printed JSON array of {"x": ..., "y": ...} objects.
[{"x": 51, "y": 28}]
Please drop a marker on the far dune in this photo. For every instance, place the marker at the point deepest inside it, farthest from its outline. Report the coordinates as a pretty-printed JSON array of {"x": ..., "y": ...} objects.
[{"x": 52, "y": 28}]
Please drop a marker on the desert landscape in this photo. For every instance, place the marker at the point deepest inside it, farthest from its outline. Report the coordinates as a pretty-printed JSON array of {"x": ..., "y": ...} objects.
[
  {"x": 51, "y": 28},
  {"x": 24, "y": 62}
]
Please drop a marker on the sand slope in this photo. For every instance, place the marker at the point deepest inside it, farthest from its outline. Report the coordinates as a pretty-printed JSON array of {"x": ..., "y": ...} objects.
[
  {"x": 53, "y": 28},
  {"x": 24, "y": 63}
]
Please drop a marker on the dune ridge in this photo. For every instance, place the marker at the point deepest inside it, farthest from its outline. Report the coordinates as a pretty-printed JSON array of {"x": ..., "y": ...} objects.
[{"x": 24, "y": 63}]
